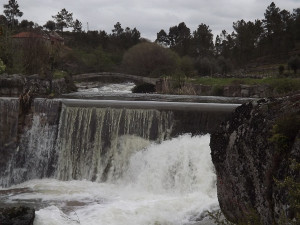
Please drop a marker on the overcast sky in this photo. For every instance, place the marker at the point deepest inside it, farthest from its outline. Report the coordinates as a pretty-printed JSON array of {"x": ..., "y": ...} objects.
[{"x": 150, "y": 16}]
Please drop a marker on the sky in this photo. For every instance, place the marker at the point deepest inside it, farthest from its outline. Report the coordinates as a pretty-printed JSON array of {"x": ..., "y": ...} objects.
[{"x": 150, "y": 16}]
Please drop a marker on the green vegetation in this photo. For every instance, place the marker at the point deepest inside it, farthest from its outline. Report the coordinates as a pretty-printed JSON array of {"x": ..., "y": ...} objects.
[
  {"x": 149, "y": 59},
  {"x": 58, "y": 74},
  {"x": 292, "y": 84},
  {"x": 285, "y": 131},
  {"x": 292, "y": 185},
  {"x": 260, "y": 48}
]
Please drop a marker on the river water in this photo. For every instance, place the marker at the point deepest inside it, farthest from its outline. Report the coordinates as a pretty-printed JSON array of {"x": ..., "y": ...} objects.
[
  {"x": 165, "y": 182},
  {"x": 170, "y": 183}
]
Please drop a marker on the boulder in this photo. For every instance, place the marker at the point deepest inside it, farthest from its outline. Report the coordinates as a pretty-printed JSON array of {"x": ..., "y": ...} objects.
[{"x": 254, "y": 153}]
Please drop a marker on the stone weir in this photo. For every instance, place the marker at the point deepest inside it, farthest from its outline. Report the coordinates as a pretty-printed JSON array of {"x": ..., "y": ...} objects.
[{"x": 84, "y": 139}]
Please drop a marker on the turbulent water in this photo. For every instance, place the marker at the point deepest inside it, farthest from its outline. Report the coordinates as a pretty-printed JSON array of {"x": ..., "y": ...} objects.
[
  {"x": 108, "y": 88},
  {"x": 165, "y": 183}
]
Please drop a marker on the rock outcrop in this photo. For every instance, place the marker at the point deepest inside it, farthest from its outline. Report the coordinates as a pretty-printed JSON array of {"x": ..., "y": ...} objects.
[
  {"x": 20, "y": 215},
  {"x": 15, "y": 85},
  {"x": 255, "y": 154}
]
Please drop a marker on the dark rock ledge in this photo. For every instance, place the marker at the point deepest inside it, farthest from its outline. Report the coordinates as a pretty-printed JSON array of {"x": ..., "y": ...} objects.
[
  {"x": 19, "y": 215},
  {"x": 254, "y": 153}
]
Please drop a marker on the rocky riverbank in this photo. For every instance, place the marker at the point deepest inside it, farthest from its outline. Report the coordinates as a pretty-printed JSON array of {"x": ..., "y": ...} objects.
[
  {"x": 15, "y": 85},
  {"x": 256, "y": 155}
]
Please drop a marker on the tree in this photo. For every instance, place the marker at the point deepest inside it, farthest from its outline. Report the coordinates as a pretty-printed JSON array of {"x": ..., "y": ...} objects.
[
  {"x": 150, "y": 59},
  {"x": 11, "y": 10},
  {"x": 247, "y": 36},
  {"x": 25, "y": 24},
  {"x": 124, "y": 39},
  {"x": 296, "y": 25},
  {"x": 162, "y": 38},
  {"x": 272, "y": 21},
  {"x": 294, "y": 63},
  {"x": 118, "y": 30},
  {"x": 179, "y": 38},
  {"x": 63, "y": 19},
  {"x": 202, "y": 41},
  {"x": 50, "y": 25},
  {"x": 77, "y": 26}
]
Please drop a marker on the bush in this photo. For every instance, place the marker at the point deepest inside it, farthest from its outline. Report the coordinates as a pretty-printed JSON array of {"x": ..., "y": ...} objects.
[
  {"x": 281, "y": 69},
  {"x": 187, "y": 66},
  {"x": 206, "y": 66},
  {"x": 217, "y": 90},
  {"x": 294, "y": 63},
  {"x": 2, "y": 67}
]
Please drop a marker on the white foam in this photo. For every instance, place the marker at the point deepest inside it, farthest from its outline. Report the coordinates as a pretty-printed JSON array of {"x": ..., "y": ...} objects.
[
  {"x": 111, "y": 88},
  {"x": 167, "y": 183}
]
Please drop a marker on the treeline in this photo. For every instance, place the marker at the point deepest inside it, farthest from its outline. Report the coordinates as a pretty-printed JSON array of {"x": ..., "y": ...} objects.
[
  {"x": 177, "y": 52},
  {"x": 81, "y": 52},
  {"x": 276, "y": 35}
]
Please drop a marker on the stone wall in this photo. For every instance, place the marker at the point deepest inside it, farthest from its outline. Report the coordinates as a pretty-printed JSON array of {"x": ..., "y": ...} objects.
[
  {"x": 15, "y": 85},
  {"x": 237, "y": 90}
]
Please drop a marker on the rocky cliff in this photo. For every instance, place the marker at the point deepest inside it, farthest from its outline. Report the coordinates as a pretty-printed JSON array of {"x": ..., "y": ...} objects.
[{"x": 256, "y": 155}]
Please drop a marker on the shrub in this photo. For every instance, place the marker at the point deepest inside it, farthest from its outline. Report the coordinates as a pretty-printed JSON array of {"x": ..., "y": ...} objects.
[
  {"x": 2, "y": 67},
  {"x": 284, "y": 132},
  {"x": 187, "y": 66},
  {"x": 217, "y": 90},
  {"x": 294, "y": 63},
  {"x": 281, "y": 69}
]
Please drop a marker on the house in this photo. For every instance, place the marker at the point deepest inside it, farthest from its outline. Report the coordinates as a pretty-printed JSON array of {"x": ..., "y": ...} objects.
[{"x": 49, "y": 39}]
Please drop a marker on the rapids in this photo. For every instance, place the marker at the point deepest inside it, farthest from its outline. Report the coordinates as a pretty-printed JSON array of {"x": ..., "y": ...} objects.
[{"x": 167, "y": 183}]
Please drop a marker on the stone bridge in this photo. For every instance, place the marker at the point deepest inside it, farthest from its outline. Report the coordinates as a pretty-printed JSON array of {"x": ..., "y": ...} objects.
[{"x": 113, "y": 77}]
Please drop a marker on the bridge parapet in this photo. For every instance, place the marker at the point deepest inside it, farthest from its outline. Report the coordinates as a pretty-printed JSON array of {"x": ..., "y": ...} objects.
[{"x": 121, "y": 76}]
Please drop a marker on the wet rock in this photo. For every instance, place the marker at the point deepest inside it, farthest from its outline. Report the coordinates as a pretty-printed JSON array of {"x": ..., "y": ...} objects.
[
  {"x": 144, "y": 88},
  {"x": 20, "y": 215},
  {"x": 252, "y": 152},
  {"x": 15, "y": 85}
]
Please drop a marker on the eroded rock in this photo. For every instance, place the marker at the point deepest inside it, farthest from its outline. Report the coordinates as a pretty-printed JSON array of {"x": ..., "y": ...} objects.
[{"x": 253, "y": 153}]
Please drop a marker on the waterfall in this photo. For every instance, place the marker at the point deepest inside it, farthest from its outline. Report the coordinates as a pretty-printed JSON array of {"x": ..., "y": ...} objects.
[
  {"x": 94, "y": 142},
  {"x": 33, "y": 158},
  {"x": 9, "y": 111},
  {"x": 171, "y": 182}
]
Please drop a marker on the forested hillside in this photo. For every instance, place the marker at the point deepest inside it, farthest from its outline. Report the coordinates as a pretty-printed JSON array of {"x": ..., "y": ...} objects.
[{"x": 259, "y": 48}]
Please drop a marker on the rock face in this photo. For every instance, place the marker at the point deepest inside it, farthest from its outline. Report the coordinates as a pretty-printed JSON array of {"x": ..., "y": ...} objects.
[
  {"x": 20, "y": 215},
  {"x": 253, "y": 153}
]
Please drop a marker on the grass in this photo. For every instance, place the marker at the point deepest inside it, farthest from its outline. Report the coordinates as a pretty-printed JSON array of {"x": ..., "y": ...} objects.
[
  {"x": 279, "y": 85},
  {"x": 58, "y": 74}
]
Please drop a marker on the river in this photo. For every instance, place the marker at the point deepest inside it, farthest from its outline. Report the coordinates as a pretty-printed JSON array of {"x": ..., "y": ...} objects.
[{"x": 126, "y": 169}]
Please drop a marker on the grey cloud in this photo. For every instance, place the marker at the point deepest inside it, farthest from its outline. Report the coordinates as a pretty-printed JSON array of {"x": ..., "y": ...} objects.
[{"x": 150, "y": 16}]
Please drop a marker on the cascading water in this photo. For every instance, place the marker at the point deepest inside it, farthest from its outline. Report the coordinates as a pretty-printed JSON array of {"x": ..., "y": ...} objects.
[
  {"x": 90, "y": 139},
  {"x": 33, "y": 157},
  {"x": 92, "y": 165},
  {"x": 164, "y": 183}
]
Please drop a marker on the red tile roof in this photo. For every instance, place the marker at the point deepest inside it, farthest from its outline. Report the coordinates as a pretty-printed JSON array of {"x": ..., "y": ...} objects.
[
  {"x": 28, "y": 35},
  {"x": 52, "y": 36}
]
